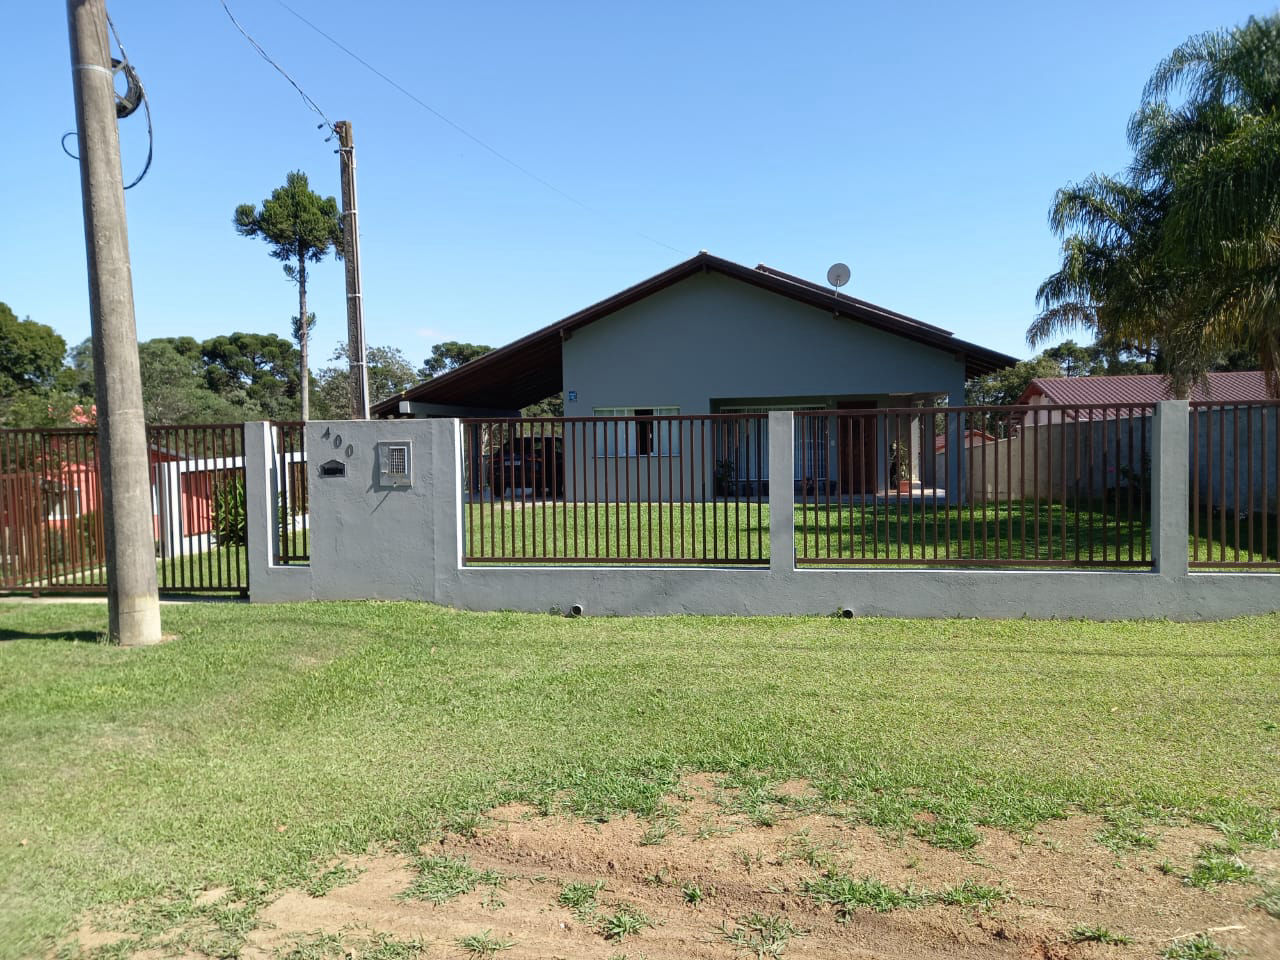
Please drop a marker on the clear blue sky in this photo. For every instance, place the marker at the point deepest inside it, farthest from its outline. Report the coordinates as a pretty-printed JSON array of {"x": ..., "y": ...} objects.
[{"x": 920, "y": 144}]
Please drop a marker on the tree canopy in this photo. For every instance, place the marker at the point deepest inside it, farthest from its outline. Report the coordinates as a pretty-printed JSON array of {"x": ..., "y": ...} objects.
[
  {"x": 1180, "y": 254},
  {"x": 300, "y": 227},
  {"x": 31, "y": 354},
  {"x": 449, "y": 356},
  {"x": 388, "y": 372}
]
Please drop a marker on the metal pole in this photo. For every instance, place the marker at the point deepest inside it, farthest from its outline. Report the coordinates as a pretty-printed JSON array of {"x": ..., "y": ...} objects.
[
  {"x": 351, "y": 258},
  {"x": 134, "y": 609}
]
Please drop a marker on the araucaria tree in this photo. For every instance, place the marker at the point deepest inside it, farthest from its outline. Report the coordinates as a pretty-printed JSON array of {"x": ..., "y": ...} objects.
[
  {"x": 1182, "y": 251},
  {"x": 300, "y": 226}
]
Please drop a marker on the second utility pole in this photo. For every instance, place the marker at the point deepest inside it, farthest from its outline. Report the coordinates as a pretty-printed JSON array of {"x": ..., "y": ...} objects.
[{"x": 351, "y": 257}]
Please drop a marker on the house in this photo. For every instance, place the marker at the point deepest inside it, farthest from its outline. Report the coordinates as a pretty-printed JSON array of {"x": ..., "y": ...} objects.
[
  {"x": 1132, "y": 390},
  {"x": 711, "y": 336}
]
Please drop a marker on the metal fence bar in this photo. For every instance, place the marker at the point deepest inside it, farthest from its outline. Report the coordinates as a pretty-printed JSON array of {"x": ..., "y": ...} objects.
[
  {"x": 1043, "y": 516},
  {"x": 52, "y": 530},
  {"x": 1234, "y": 485},
  {"x": 638, "y": 489}
]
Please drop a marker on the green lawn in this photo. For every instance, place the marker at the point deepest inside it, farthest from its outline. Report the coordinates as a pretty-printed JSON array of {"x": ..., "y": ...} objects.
[
  {"x": 1101, "y": 534},
  {"x": 711, "y": 531},
  {"x": 265, "y": 739},
  {"x": 731, "y": 531},
  {"x": 222, "y": 569}
]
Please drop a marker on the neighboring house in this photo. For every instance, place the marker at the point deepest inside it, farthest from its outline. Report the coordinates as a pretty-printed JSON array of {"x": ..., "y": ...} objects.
[
  {"x": 713, "y": 336},
  {"x": 60, "y": 496},
  {"x": 1114, "y": 442},
  {"x": 1132, "y": 390},
  {"x": 971, "y": 438}
]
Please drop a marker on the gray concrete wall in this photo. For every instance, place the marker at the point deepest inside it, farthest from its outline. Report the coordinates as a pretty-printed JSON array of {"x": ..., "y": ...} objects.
[
  {"x": 1093, "y": 457},
  {"x": 407, "y": 544},
  {"x": 1226, "y": 434}
]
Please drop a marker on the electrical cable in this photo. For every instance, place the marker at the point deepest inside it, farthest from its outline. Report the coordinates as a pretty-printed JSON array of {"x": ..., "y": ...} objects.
[
  {"x": 126, "y": 104},
  {"x": 279, "y": 69},
  {"x": 467, "y": 133}
]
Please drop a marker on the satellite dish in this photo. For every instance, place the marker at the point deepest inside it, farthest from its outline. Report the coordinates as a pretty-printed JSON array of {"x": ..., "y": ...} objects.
[{"x": 838, "y": 275}]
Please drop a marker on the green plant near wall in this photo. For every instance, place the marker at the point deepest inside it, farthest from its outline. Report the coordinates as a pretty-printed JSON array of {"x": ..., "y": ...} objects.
[
  {"x": 229, "y": 522},
  {"x": 76, "y": 542}
]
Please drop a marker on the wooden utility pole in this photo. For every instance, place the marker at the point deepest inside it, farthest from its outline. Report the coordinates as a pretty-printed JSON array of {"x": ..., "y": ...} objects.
[
  {"x": 133, "y": 605},
  {"x": 351, "y": 257}
]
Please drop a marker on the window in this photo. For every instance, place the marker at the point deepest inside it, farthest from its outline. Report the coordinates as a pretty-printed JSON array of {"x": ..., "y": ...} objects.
[{"x": 641, "y": 437}]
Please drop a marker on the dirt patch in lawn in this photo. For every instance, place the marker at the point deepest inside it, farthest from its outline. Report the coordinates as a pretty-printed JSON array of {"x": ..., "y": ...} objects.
[{"x": 721, "y": 873}]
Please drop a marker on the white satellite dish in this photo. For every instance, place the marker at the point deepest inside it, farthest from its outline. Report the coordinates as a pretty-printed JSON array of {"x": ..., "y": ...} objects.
[{"x": 838, "y": 275}]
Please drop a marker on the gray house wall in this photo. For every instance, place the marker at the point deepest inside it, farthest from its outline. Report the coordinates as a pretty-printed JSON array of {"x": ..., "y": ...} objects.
[
  {"x": 714, "y": 338},
  {"x": 711, "y": 341}
]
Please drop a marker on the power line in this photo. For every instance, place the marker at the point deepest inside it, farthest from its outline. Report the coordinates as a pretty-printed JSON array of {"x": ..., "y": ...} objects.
[
  {"x": 126, "y": 104},
  {"x": 142, "y": 95},
  {"x": 464, "y": 131},
  {"x": 279, "y": 69}
]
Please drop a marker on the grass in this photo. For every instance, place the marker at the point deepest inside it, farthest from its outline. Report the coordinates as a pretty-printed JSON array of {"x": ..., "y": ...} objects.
[
  {"x": 849, "y": 895},
  {"x": 1085, "y": 934},
  {"x": 442, "y": 878},
  {"x": 580, "y": 898},
  {"x": 1269, "y": 900},
  {"x": 764, "y": 936},
  {"x": 694, "y": 894},
  {"x": 626, "y": 920},
  {"x": 146, "y": 776},
  {"x": 885, "y": 530},
  {"x": 1122, "y": 836},
  {"x": 223, "y": 569},
  {"x": 1200, "y": 947},
  {"x": 484, "y": 945},
  {"x": 329, "y": 880},
  {"x": 1218, "y": 864},
  {"x": 733, "y": 531}
]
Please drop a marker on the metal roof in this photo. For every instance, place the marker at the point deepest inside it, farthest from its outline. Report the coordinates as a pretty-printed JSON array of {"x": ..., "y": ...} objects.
[
  {"x": 1247, "y": 386},
  {"x": 530, "y": 369}
]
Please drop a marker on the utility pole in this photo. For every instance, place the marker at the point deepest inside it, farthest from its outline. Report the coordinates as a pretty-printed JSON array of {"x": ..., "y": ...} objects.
[
  {"x": 132, "y": 603},
  {"x": 351, "y": 258}
]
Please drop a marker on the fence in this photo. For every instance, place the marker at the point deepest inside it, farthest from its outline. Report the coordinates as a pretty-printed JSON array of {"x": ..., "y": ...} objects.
[
  {"x": 411, "y": 533},
  {"x": 197, "y": 495},
  {"x": 51, "y": 531},
  {"x": 974, "y": 486},
  {"x": 51, "y": 505},
  {"x": 292, "y": 507},
  {"x": 1235, "y": 459},
  {"x": 649, "y": 489}
]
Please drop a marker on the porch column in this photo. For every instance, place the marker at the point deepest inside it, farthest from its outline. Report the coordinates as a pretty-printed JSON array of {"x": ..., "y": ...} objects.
[{"x": 782, "y": 491}]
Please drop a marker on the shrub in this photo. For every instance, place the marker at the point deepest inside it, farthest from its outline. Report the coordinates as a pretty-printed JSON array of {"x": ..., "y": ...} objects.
[{"x": 229, "y": 523}]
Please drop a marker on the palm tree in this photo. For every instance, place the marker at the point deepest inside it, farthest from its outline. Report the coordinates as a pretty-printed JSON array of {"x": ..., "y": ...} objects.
[
  {"x": 1183, "y": 251},
  {"x": 1114, "y": 282},
  {"x": 1221, "y": 149}
]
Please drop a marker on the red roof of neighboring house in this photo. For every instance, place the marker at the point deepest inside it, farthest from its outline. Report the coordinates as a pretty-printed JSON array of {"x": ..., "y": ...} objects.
[
  {"x": 971, "y": 437},
  {"x": 1248, "y": 386}
]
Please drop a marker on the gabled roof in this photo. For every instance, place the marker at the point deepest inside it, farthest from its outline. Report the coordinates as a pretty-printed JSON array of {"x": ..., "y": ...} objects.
[
  {"x": 530, "y": 369},
  {"x": 1247, "y": 386}
]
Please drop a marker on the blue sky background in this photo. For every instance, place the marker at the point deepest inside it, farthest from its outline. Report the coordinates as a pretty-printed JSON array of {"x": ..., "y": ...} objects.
[{"x": 919, "y": 143}]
